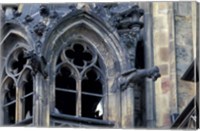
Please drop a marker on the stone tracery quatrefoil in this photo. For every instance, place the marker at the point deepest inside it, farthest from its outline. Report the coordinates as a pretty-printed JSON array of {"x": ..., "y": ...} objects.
[
  {"x": 16, "y": 61},
  {"x": 79, "y": 55}
]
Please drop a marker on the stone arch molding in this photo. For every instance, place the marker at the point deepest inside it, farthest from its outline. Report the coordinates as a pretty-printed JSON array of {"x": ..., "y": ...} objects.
[
  {"x": 84, "y": 26},
  {"x": 15, "y": 41}
]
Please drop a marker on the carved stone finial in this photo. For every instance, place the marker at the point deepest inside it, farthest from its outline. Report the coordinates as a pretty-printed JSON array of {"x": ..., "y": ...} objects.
[
  {"x": 39, "y": 28},
  {"x": 128, "y": 25},
  {"x": 129, "y": 18},
  {"x": 84, "y": 6},
  {"x": 44, "y": 11}
]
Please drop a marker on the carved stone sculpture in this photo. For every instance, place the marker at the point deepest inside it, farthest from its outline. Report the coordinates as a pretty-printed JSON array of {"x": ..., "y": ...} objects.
[
  {"x": 39, "y": 28},
  {"x": 134, "y": 76},
  {"x": 44, "y": 11},
  {"x": 37, "y": 63}
]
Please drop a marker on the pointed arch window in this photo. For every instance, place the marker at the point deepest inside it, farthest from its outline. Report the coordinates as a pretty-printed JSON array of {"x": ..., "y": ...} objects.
[
  {"x": 79, "y": 84},
  {"x": 9, "y": 104},
  {"x": 89, "y": 50},
  {"x": 26, "y": 97},
  {"x": 17, "y": 88},
  {"x": 79, "y": 81}
]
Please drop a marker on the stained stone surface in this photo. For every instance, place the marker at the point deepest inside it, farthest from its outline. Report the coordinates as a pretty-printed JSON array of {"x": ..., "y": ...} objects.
[
  {"x": 184, "y": 51},
  {"x": 172, "y": 48},
  {"x": 173, "y": 53}
]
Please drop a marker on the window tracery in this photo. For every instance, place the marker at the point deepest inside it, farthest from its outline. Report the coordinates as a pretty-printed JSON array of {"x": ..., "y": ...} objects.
[
  {"x": 79, "y": 81},
  {"x": 17, "y": 87}
]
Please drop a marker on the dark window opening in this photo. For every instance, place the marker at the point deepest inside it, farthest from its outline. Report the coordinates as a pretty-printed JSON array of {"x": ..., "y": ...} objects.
[
  {"x": 10, "y": 103},
  {"x": 65, "y": 92},
  {"x": 11, "y": 94},
  {"x": 9, "y": 113},
  {"x": 69, "y": 53},
  {"x": 92, "y": 86},
  {"x": 89, "y": 106},
  {"x": 92, "y": 95},
  {"x": 65, "y": 80},
  {"x": 27, "y": 97},
  {"x": 65, "y": 103},
  {"x": 18, "y": 62},
  {"x": 139, "y": 62},
  {"x": 92, "y": 83}
]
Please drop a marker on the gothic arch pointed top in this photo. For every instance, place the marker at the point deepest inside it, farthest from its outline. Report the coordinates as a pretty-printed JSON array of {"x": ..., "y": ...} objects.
[
  {"x": 84, "y": 22},
  {"x": 13, "y": 30}
]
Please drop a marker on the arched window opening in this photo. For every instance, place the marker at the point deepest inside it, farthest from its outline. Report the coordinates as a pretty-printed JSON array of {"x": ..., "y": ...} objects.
[
  {"x": 9, "y": 105},
  {"x": 79, "y": 86},
  {"x": 65, "y": 91},
  {"x": 27, "y": 96},
  {"x": 91, "y": 82},
  {"x": 18, "y": 102},
  {"x": 91, "y": 94}
]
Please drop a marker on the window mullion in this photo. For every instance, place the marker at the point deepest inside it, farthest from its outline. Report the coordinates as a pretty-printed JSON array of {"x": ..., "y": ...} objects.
[
  {"x": 19, "y": 106},
  {"x": 78, "y": 101}
]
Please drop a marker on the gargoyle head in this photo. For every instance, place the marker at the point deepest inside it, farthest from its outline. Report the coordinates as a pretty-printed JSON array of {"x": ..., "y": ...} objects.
[{"x": 154, "y": 73}]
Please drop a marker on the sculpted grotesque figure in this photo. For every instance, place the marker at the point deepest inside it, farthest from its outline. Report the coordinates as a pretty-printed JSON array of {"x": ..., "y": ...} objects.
[
  {"x": 37, "y": 63},
  {"x": 134, "y": 76}
]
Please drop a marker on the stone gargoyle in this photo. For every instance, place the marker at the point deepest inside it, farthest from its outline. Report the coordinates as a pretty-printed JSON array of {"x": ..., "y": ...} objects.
[
  {"x": 134, "y": 76},
  {"x": 38, "y": 63}
]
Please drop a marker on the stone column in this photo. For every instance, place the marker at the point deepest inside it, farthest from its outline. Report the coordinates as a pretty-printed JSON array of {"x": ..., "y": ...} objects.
[
  {"x": 40, "y": 107},
  {"x": 149, "y": 62}
]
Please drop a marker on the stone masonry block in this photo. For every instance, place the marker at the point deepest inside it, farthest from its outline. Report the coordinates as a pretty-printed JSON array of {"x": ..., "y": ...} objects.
[
  {"x": 164, "y": 69},
  {"x": 160, "y": 22},
  {"x": 161, "y": 38},
  {"x": 162, "y": 5},
  {"x": 165, "y": 85},
  {"x": 164, "y": 54},
  {"x": 166, "y": 121}
]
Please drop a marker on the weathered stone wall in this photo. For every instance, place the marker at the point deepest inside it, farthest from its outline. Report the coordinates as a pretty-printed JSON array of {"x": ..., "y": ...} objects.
[
  {"x": 184, "y": 50},
  {"x": 164, "y": 46},
  {"x": 173, "y": 40}
]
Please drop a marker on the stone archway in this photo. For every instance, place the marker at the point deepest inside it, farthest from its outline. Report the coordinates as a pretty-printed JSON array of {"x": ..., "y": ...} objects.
[{"x": 83, "y": 26}]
